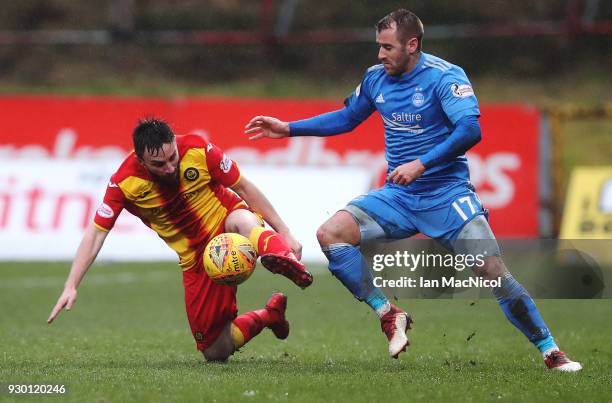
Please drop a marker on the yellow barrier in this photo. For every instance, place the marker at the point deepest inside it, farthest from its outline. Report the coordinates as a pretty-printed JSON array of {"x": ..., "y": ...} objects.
[{"x": 588, "y": 206}]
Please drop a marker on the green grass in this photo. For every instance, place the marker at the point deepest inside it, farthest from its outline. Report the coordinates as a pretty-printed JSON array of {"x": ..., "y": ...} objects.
[{"x": 127, "y": 339}]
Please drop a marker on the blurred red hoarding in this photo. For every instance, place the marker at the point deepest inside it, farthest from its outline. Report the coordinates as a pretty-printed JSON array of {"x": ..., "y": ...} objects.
[{"x": 504, "y": 166}]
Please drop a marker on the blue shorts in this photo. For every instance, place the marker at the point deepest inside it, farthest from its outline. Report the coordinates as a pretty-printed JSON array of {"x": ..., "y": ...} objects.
[{"x": 439, "y": 214}]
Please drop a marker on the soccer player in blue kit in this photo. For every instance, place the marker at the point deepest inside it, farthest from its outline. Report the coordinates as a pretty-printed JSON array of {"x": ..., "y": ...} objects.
[{"x": 430, "y": 116}]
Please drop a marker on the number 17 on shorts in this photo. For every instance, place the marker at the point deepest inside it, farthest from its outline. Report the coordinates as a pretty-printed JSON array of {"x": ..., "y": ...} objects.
[{"x": 466, "y": 206}]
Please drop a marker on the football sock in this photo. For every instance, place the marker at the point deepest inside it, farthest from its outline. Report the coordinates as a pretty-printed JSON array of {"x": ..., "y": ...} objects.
[
  {"x": 249, "y": 325},
  {"x": 347, "y": 264},
  {"x": 268, "y": 241},
  {"x": 522, "y": 312},
  {"x": 546, "y": 345}
]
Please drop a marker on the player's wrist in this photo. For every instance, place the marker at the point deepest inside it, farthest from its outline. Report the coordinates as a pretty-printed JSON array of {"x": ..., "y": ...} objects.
[
  {"x": 70, "y": 286},
  {"x": 284, "y": 231},
  {"x": 288, "y": 128},
  {"x": 425, "y": 162}
]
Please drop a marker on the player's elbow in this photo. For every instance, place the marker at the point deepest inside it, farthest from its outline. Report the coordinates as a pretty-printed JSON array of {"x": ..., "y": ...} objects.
[
  {"x": 242, "y": 187},
  {"x": 476, "y": 136},
  {"x": 472, "y": 131}
]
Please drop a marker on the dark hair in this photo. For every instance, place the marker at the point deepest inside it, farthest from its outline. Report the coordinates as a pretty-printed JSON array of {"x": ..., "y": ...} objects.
[
  {"x": 151, "y": 135},
  {"x": 407, "y": 23}
]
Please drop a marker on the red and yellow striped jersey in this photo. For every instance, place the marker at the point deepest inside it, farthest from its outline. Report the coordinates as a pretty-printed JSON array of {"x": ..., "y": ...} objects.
[{"x": 184, "y": 216}]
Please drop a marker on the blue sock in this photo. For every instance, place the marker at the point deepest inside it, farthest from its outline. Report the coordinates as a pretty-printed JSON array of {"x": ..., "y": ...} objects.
[
  {"x": 347, "y": 263},
  {"x": 520, "y": 309}
]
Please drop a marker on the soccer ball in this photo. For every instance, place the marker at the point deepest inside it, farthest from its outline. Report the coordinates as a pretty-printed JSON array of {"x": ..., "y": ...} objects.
[{"x": 229, "y": 259}]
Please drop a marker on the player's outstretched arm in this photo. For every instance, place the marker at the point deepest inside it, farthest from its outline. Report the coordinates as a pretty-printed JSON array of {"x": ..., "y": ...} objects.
[
  {"x": 90, "y": 245},
  {"x": 266, "y": 126},
  {"x": 260, "y": 203},
  {"x": 327, "y": 124}
]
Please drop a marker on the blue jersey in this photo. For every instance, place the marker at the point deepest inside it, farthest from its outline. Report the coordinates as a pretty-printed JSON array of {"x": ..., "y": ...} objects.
[{"x": 419, "y": 110}]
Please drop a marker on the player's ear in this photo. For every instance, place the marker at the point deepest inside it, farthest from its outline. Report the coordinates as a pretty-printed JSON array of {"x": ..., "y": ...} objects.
[{"x": 412, "y": 45}]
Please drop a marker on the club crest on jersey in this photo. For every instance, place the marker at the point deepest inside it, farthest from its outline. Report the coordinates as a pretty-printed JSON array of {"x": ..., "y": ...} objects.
[
  {"x": 462, "y": 90},
  {"x": 191, "y": 174},
  {"x": 225, "y": 164},
  {"x": 105, "y": 211},
  {"x": 418, "y": 99}
]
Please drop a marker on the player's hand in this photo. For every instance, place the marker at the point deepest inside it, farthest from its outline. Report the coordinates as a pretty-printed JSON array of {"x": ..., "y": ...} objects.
[
  {"x": 407, "y": 173},
  {"x": 295, "y": 246},
  {"x": 266, "y": 126},
  {"x": 66, "y": 300}
]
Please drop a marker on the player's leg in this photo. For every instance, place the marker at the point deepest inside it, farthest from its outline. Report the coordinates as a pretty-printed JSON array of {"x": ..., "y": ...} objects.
[
  {"x": 210, "y": 308},
  {"x": 272, "y": 316},
  {"x": 212, "y": 315},
  {"x": 456, "y": 218},
  {"x": 339, "y": 238},
  {"x": 275, "y": 254},
  {"x": 476, "y": 237},
  {"x": 221, "y": 349},
  {"x": 241, "y": 330}
]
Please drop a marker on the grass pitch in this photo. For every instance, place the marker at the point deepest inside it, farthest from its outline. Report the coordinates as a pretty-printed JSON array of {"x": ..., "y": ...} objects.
[{"x": 127, "y": 339}]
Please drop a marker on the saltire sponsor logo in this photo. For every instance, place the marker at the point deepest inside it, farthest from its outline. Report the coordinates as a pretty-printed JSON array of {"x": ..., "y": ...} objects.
[
  {"x": 105, "y": 211},
  {"x": 401, "y": 127},
  {"x": 462, "y": 90}
]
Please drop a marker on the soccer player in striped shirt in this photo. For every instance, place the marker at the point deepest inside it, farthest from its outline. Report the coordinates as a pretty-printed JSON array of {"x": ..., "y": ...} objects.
[
  {"x": 179, "y": 186},
  {"x": 430, "y": 116}
]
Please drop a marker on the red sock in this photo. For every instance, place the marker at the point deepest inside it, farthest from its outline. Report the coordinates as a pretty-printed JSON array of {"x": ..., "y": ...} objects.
[
  {"x": 268, "y": 241},
  {"x": 249, "y": 325}
]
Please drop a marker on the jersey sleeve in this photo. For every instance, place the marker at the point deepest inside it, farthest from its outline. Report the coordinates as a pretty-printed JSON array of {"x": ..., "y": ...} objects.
[
  {"x": 111, "y": 207},
  {"x": 357, "y": 108},
  {"x": 221, "y": 167},
  {"x": 457, "y": 95},
  {"x": 359, "y": 103}
]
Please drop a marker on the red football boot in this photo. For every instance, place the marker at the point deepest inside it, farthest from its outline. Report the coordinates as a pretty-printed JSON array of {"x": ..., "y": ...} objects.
[
  {"x": 286, "y": 264},
  {"x": 558, "y": 361},
  {"x": 276, "y": 307},
  {"x": 394, "y": 324}
]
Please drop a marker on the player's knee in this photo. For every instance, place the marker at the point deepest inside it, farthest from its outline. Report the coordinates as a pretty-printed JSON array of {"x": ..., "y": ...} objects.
[
  {"x": 242, "y": 222},
  {"x": 341, "y": 228},
  {"x": 324, "y": 235},
  {"x": 222, "y": 348},
  {"x": 492, "y": 268},
  {"x": 349, "y": 225},
  {"x": 218, "y": 353},
  {"x": 215, "y": 356}
]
